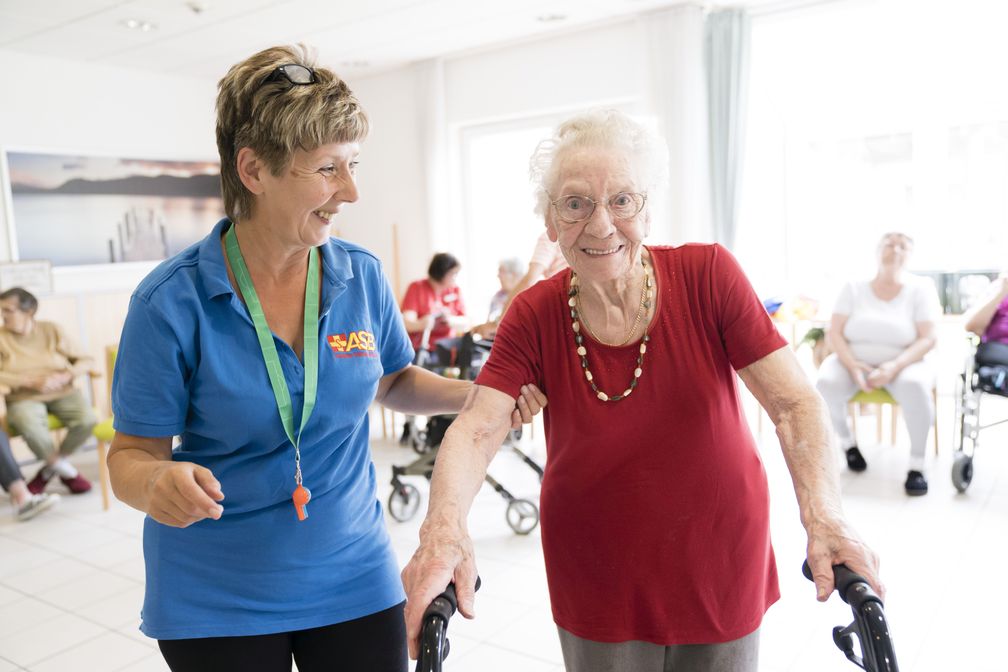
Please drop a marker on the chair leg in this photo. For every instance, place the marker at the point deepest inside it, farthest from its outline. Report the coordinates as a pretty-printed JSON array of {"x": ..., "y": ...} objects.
[
  {"x": 893, "y": 416},
  {"x": 878, "y": 423},
  {"x": 103, "y": 474},
  {"x": 934, "y": 400},
  {"x": 853, "y": 410}
]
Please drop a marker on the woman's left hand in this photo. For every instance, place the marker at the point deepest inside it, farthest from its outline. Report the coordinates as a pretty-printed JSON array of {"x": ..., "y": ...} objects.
[
  {"x": 882, "y": 375},
  {"x": 832, "y": 543},
  {"x": 528, "y": 405}
]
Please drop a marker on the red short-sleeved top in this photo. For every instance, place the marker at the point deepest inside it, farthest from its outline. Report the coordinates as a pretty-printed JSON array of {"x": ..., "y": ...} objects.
[
  {"x": 422, "y": 298},
  {"x": 655, "y": 509}
]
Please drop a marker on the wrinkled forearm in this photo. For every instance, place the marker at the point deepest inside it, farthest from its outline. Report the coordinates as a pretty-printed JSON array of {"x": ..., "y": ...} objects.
[
  {"x": 463, "y": 457},
  {"x": 803, "y": 430}
]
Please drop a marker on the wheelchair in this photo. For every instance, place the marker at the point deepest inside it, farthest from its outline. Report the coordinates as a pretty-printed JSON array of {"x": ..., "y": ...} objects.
[
  {"x": 462, "y": 358},
  {"x": 985, "y": 372}
]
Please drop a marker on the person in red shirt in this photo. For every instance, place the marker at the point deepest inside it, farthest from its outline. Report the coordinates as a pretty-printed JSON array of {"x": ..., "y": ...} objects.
[
  {"x": 655, "y": 505},
  {"x": 434, "y": 305}
]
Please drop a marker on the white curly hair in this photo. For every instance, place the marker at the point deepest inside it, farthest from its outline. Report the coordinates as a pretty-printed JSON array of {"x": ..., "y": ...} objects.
[{"x": 599, "y": 128}]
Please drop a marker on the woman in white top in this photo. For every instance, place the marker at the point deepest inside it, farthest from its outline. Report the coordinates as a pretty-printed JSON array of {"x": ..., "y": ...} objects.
[{"x": 880, "y": 331}]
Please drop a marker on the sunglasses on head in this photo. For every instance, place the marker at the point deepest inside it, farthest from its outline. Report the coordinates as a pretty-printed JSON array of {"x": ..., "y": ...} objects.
[{"x": 296, "y": 75}]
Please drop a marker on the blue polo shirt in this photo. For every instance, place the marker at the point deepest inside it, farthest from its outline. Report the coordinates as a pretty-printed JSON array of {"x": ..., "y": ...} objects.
[{"x": 189, "y": 364}]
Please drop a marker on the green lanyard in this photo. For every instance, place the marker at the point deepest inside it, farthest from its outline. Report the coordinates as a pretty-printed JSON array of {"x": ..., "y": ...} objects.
[{"x": 269, "y": 351}]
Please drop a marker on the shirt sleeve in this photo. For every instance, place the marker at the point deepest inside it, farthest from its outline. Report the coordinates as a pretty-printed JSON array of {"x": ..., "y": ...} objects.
[
  {"x": 747, "y": 332},
  {"x": 926, "y": 305},
  {"x": 545, "y": 251},
  {"x": 394, "y": 347},
  {"x": 844, "y": 304},
  {"x": 514, "y": 357},
  {"x": 412, "y": 300},
  {"x": 66, "y": 346},
  {"x": 150, "y": 395}
]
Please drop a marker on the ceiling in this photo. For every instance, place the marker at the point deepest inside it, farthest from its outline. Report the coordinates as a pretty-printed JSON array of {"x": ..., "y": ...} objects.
[{"x": 202, "y": 38}]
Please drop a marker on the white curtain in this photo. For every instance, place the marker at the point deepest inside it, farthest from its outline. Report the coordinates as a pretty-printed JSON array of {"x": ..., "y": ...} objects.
[
  {"x": 727, "y": 61},
  {"x": 675, "y": 47},
  {"x": 432, "y": 126}
]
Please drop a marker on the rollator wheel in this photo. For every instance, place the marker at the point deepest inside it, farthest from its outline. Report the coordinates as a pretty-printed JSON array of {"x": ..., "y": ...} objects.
[
  {"x": 404, "y": 502},
  {"x": 522, "y": 516},
  {"x": 962, "y": 471}
]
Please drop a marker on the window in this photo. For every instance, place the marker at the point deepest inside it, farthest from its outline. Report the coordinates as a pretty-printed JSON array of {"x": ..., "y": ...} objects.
[{"x": 867, "y": 117}]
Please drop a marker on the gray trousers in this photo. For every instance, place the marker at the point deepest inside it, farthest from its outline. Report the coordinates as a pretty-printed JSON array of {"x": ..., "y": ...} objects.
[
  {"x": 911, "y": 389},
  {"x": 9, "y": 470},
  {"x": 583, "y": 655},
  {"x": 30, "y": 419}
]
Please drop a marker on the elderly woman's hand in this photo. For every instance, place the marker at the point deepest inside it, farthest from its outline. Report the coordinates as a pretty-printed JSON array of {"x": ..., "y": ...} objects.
[
  {"x": 445, "y": 555},
  {"x": 529, "y": 404},
  {"x": 833, "y": 542},
  {"x": 859, "y": 372},
  {"x": 882, "y": 375}
]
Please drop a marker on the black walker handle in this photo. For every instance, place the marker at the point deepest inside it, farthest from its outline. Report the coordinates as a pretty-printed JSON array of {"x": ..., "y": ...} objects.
[
  {"x": 434, "y": 645},
  {"x": 870, "y": 625}
]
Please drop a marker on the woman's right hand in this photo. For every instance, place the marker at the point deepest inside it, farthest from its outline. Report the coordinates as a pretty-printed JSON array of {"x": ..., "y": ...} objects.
[
  {"x": 859, "y": 372},
  {"x": 183, "y": 493},
  {"x": 444, "y": 555}
]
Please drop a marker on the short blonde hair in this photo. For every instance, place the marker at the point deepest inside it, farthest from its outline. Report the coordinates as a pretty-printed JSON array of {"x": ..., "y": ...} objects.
[
  {"x": 598, "y": 128},
  {"x": 276, "y": 118}
]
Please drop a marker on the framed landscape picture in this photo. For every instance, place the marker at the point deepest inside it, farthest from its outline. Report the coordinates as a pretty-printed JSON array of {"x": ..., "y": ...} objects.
[{"x": 80, "y": 210}]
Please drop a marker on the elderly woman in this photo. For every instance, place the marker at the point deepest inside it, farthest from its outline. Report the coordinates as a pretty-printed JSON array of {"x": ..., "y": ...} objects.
[
  {"x": 509, "y": 272},
  {"x": 655, "y": 523},
  {"x": 262, "y": 347},
  {"x": 879, "y": 333},
  {"x": 38, "y": 363}
]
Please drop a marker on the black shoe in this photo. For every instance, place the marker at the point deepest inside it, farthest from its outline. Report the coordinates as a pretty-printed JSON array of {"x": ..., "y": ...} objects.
[
  {"x": 916, "y": 484},
  {"x": 405, "y": 436},
  {"x": 855, "y": 460}
]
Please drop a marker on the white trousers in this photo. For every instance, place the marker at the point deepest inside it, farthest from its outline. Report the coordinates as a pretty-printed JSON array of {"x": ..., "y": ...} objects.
[{"x": 911, "y": 389}]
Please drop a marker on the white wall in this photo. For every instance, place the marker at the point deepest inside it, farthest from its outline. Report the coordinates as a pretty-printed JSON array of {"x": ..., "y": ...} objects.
[
  {"x": 62, "y": 106},
  {"x": 53, "y": 105}
]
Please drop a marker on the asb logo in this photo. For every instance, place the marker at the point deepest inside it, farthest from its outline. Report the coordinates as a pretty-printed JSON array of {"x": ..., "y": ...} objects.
[{"x": 353, "y": 344}]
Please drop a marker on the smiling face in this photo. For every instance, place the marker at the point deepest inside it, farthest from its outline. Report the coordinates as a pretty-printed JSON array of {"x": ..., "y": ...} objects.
[
  {"x": 300, "y": 203},
  {"x": 601, "y": 248}
]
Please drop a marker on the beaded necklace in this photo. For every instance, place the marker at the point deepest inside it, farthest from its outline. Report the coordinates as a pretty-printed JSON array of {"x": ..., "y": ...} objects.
[{"x": 576, "y": 321}]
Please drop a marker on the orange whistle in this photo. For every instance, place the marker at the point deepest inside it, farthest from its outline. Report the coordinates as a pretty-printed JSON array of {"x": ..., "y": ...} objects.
[{"x": 301, "y": 497}]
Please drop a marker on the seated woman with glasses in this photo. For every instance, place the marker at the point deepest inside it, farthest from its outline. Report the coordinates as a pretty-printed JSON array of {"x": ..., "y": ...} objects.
[
  {"x": 655, "y": 509},
  {"x": 39, "y": 363},
  {"x": 263, "y": 347}
]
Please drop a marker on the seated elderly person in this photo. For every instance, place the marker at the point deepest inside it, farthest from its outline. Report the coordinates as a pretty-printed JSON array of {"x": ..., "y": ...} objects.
[
  {"x": 655, "y": 504},
  {"x": 433, "y": 305},
  {"x": 879, "y": 333},
  {"x": 509, "y": 272},
  {"x": 39, "y": 363}
]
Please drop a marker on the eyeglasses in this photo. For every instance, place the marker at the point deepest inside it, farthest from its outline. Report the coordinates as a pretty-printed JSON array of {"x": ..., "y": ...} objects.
[
  {"x": 576, "y": 208},
  {"x": 297, "y": 75}
]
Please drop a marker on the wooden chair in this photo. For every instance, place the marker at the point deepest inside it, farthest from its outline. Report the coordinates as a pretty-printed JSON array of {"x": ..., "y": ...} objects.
[{"x": 880, "y": 397}]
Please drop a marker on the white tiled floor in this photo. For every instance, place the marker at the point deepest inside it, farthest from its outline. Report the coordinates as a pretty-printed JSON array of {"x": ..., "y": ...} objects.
[{"x": 71, "y": 581}]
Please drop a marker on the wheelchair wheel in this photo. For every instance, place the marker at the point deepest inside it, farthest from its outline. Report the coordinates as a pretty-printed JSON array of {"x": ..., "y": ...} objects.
[
  {"x": 522, "y": 516},
  {"x": 404, "y": 502},
  {"x": 962, "y": 471}
]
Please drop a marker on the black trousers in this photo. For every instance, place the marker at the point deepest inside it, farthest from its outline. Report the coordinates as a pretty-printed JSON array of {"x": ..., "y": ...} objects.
[{"x": 375, "y": 643}]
